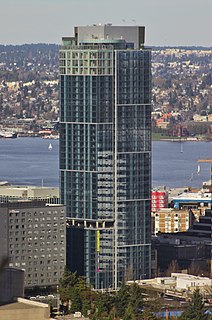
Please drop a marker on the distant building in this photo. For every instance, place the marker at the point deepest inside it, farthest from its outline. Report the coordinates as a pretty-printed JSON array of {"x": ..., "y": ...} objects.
[
  {"x": 33, "y": 236},
  {"x": 170, "y": 220},
  {"x": 13, "y": 192},
  {"x": 193, "y": 247},
  {"x": 203, "y": 227},
  {"x": 199, "y": 118},
  {"x": 159, "y": 199},
  {"x": 192, "y": 200},
  {"x": 186, "y": 281},
  {"x": 178, "y": 285}
]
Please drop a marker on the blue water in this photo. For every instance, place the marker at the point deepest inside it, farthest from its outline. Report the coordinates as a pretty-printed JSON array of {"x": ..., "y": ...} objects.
[
  {"x": 174, "y": 168},
  {"x": 27, "y": 161}
]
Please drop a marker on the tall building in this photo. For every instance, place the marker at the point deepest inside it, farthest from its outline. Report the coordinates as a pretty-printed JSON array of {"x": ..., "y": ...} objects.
[{"x": 105, "y": 151}]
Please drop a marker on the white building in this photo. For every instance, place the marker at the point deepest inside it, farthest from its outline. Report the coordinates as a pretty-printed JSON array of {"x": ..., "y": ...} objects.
[{"x": 186, "y": 281}]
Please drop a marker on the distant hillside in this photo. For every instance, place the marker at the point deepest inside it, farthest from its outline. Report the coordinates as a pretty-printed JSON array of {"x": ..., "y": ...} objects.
[
  {"x": 28, "y": 62},
  {"x": 181, "y": 80}
]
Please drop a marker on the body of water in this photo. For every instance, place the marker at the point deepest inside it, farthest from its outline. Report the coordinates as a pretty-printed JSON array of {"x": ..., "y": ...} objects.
[
  {"x": 28, "y": 161},
  {"x": 174, "y": 164}
]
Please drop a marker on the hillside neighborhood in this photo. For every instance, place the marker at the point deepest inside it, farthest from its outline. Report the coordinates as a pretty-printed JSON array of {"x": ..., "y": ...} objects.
[{"x": 181, "y": 95}]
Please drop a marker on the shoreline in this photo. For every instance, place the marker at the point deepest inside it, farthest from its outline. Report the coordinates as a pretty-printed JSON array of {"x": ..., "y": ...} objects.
[
  {"x": 182, "y": 140},
  {"x": 160, "y": 140}
]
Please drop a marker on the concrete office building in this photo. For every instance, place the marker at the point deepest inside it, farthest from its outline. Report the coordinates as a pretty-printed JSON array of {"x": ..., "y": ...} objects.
[
  {"x": 33, "y": 236},
  {"x": 105, "y": 151}
]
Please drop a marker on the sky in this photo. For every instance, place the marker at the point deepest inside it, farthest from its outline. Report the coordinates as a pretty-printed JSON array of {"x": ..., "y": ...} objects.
[{"x": 167, "y": 22}]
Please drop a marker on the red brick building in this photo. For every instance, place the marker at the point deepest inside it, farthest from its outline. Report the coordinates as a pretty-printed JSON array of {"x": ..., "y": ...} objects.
[{"x": 159, "y": 200}]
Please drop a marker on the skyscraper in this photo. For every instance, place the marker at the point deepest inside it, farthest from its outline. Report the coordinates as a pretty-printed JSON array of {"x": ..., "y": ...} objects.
[{"x": 105, "y": 151}]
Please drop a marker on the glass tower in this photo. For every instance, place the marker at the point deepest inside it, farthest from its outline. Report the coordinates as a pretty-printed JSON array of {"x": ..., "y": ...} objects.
[{"x": 105, "y": 151}]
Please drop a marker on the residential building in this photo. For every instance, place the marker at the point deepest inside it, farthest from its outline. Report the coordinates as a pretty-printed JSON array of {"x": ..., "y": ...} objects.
[
  {"x": 172, "y": 220},
  {"x": 33, "y": 236},
  {"x": 159, "y": 199},
  {"x": 105, "y": 150}
]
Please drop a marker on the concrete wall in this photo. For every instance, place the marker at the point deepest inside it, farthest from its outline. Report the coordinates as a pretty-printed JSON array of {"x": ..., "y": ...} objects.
[
  {"x": 132, "y": 34},
  {"x": 4, "y": 250},
  {"x": 11, "y": 284}
]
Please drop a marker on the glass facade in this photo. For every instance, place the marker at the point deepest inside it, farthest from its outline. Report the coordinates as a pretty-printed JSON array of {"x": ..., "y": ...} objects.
[{"x": 105, "y": 155}]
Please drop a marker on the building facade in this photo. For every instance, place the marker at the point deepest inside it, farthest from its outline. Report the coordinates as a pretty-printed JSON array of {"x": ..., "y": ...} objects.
[
  {"x": 33, "y": 236},
  {"x": 15, "y": 193},
  {"x": 105, "y": 150},
  {"x": 170, "y": 220},
  {"x": 159, "y": 199}
]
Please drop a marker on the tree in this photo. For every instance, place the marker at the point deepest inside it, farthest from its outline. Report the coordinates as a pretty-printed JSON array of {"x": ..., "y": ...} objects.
[
  {"x": 195, "y": 310},
  {"x": 173, "y": 267},
  {"x": 129, "y": 314},
  {"x": 68, "y": 291},
  {"x": 194, "y": 268},
  {"x": 122, "y": 300},
  {"x": 151, "y": 307},
  {"x": 136, "y": 300}
]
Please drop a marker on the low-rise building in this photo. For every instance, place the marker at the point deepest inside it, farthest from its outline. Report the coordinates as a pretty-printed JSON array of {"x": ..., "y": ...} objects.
[
  {"x": 179, "y": 285},
  {"x": 192, "y": 200},
  {"x": 188, "y": 281},
  {"x": 170, "y": 220},
  {"x": 159, "y": 199},
  {"x": 13, "y": 192}
]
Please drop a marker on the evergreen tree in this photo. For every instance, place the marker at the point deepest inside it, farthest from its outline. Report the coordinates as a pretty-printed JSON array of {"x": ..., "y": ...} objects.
[
  {"x": 76, "y": 301},
  {"x": 151, "y": 307},
  {"x": 128, "y": 315},
  {"x": 195, "y": 310},
  {"x": 136, "y": 300},
  {"x": 122, "y": 300}
]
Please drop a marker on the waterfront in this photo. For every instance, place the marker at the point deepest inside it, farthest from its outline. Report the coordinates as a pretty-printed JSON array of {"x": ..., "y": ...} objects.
[{"x": 28, "y": 161}]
